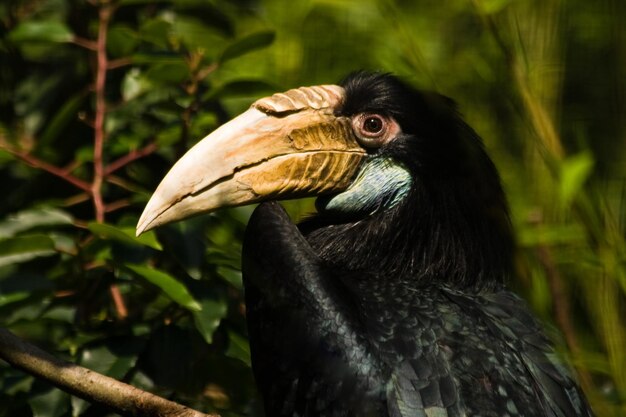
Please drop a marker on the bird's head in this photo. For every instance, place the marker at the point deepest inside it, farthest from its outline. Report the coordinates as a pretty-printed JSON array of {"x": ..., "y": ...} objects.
[{"x": 403, "y": 184}]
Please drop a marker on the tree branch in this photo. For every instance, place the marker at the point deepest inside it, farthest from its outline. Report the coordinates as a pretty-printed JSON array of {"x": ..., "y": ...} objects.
[
  {"x": 91, "y": 386},
  {"x": 104, "y": 14},
  {"x": 35, "y": 162},
  {"x": 129, "y": 157}
]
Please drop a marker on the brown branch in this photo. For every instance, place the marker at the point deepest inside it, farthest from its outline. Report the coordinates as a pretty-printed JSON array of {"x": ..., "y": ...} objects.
[
  {"x": 120, "y": 62},
  {"x": 35, "y": 162},
  {"x": 104, "y": 14},
  {"x": 91, "y": 386},
  {"x": 118, "y": 300},
  {"x": 76, "y": 199},
  {"x": 129, "y": 157},
  {"x": 116, "y": 205},
  {"x": 122, "y": 183},
  {"x": 85, "y": 43}
]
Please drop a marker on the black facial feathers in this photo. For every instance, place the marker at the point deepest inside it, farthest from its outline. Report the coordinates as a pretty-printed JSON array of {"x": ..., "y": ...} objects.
[{"x": 453, "y": 226}]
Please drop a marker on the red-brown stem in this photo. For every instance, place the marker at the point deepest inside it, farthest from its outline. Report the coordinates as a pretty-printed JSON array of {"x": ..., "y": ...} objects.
[
  {"x": 85, "y": 43},
  {"x": 129, "y": 157},
  {"x": 99, "y": 133},
  {"x": 118, "y": 299},
  {"x": 52, "y": 169},
  {"x": 122, "y": 183},
  {"x": 104, "y": 14},
  {"x": 76, "y": 199},
  {"x": 120, "y": 62},
  {"x": 116, "y": 205}
]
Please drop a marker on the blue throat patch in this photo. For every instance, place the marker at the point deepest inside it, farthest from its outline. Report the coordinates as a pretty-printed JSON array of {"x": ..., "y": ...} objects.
[{"x": 380, "y": 184}]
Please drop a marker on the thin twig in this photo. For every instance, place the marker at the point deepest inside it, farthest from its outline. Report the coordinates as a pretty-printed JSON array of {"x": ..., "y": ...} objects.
[
  {"x": 120, "y": 62},
  {"x": 75, "y": 199},
  {"x": 104, "y": 14},
  {"x": 85, "y": 43},
  {"x": 45, "y": 166},
  {"x": 129, "y": 157},
  {"x": 118, "y": 299},
  {"x": 116, "y": 205},
  {"x": 122, "y": 183}
]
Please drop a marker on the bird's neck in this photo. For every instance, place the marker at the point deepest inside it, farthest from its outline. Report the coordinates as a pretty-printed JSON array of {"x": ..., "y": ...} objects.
[{"x": 421, "y": 242}]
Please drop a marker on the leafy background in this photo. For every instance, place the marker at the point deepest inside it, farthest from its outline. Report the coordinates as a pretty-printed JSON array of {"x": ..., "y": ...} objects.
[{"x": 98, "y": 98}]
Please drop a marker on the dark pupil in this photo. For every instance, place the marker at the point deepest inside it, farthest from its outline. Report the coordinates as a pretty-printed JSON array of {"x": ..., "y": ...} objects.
[{"x": 373, "y": 125}]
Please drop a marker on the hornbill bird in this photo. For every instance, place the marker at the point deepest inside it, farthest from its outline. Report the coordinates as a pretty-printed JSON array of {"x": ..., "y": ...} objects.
[{"x": 391, "y": 300}]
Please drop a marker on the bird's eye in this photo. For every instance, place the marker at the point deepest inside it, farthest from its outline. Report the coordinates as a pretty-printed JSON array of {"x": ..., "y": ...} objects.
[
  {"x": 373, "y": 125},
  {"x": 374, "y": 130}
]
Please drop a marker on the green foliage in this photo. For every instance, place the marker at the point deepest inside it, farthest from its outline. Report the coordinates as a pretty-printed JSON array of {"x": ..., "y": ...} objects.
[{"x": 541, "y": 81}]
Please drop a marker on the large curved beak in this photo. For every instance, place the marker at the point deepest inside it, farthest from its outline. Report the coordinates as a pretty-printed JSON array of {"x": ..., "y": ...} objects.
[{"x": 285, "y": 146}]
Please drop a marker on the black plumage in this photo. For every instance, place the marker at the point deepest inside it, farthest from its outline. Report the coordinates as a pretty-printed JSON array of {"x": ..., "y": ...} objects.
[{"x": 401, "y": 310}]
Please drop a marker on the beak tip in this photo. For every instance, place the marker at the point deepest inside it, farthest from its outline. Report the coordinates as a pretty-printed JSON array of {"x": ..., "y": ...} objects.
[
  {"x": 141, "y": 227},
  {"x": 146, "y": 222}
]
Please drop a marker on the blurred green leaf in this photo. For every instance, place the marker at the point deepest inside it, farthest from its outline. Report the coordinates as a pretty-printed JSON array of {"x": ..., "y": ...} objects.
[
  {"x": 53, "y": 403},
  {"x": 25, "y": 248},
  {"x": 574, "y": 172},
  {"x": 134, "y": 84},
  {"x": 103, "y": 360},
  {"x": 170, "y": 286},
  {"x": 196, "y": 35},
  {"x": 125, "y": 235},
  {"x": 11, "y": 298},
  {"x": 549, "y": 235},
  {"x": 29, "y": 219},
  {"x": 247, "y": 44},
  {"x": 238, "y": 347},
  {"x": 230, "y": 275},
  {"x": 41, "y": 31},
  {"x": 62, "y": 118},
  {"x": 245, "y": 88},
  {"x": 121, "y": 41},
  {"x": 208, "y": 319},
  {"x": 493, "y": 6}
]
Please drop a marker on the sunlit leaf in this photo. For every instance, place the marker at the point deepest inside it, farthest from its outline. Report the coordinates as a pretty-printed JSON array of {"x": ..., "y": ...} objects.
[
  {"x": 247, "y": 44},
  {"x": 29, "y": 219},
  {"x": 103, "y": 360},
  {"x": 52, "y": 403},
  {"x": 170, "y": 286},
  {"x": 11, "y": 298},
  {"x": 238, "y": 348},
  {"x": 230, "y": 275},
  {"x": 124, "y": 235},
  {"x": 574, "y": 172},
  {"x": 134, "y": 84},
  {"x": 41, "y": 31},
  {"x": 208, "y": 319},
  {"x": 25, "y": 248}
]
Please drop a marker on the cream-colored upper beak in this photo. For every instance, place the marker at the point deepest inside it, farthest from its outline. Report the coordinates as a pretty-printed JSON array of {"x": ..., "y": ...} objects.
[{"x": 285, "y": 146}]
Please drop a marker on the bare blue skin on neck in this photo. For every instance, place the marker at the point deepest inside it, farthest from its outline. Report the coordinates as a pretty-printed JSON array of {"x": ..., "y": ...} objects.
[{"x": 380, "y": 184}]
